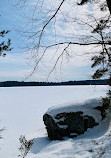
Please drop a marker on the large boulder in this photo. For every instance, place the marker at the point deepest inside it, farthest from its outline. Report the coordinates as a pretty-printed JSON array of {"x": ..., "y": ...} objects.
[{"x": 72, "y": 120}]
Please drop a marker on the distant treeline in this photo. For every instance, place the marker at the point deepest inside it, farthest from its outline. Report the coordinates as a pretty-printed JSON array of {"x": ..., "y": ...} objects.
[{"x": 85, "y": 82}]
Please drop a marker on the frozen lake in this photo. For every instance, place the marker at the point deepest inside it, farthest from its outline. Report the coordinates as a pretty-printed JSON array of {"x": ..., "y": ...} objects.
[{"x": 22, "y": 108}]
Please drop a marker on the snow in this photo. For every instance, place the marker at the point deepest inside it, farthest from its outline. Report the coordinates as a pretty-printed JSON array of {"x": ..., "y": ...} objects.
[
  {"x": 63, "y": 126},
  {"x": 95, "y": 143},
  {"x": 73, "y": 134},
  {"x": 21, "y": 112},
  {"x": 86, "y": 107}
]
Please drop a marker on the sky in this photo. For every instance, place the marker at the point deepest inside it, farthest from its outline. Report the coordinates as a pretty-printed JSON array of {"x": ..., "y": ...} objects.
[{"x": 18, "y": 64}]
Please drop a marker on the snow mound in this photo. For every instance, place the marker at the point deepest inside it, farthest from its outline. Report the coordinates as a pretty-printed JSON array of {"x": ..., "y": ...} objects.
[{"x": 87, "y": 107}]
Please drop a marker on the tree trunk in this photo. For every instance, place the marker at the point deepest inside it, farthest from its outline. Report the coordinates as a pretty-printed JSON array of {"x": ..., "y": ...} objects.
[{"x": 109, "y": 5}]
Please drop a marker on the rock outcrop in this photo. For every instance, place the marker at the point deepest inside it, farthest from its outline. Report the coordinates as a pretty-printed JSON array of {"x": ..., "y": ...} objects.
[
  {"x": 67, "y": 124},
  {"x": 73, "y": 119}
]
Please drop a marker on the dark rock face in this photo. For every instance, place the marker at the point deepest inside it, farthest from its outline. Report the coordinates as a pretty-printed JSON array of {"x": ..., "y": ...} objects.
[{"x": 67, "y": 124}]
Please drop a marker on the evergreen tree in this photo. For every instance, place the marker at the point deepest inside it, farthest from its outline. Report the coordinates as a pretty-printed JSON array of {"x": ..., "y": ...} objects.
[
  {"x": 4, "y": 46},
  {"x": 103, "y": 60}
]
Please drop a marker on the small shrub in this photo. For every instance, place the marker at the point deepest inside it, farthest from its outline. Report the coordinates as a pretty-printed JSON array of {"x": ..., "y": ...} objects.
[
  {"x": 1, "y": 130},
  {"x": 106, "y": 102},
  {"x": 25, "y": 146}
]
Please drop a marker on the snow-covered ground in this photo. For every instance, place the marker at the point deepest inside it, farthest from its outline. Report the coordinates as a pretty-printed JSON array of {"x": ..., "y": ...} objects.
[{"x": 21, "y": 112}]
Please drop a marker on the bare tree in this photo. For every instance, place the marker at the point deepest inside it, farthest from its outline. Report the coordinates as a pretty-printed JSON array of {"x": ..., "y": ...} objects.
[{"x": 49, "y": 13}]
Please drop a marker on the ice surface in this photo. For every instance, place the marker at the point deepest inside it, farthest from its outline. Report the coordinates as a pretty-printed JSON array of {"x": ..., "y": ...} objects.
[{"x": 21, "y": 113}]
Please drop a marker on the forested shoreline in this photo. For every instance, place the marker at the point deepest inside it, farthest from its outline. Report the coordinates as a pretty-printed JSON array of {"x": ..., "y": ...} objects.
[{"x": 68, "y": 83}]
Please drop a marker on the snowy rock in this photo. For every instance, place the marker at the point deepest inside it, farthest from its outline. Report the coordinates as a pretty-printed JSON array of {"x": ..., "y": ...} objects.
[{"x": 72, "y": 120}]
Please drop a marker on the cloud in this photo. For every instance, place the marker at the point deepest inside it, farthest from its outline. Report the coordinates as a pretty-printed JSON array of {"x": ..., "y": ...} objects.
[
  {"x": 15, "y": 68},
  {"x": 63, "y": 28}
]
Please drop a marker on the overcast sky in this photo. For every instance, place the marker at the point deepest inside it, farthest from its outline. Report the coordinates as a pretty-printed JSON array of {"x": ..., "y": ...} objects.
[{"x": 16, "y": 66}]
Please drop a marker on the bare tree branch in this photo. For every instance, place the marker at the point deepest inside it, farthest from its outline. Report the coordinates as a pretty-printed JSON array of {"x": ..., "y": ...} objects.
[{"x": 42, "y": 31}]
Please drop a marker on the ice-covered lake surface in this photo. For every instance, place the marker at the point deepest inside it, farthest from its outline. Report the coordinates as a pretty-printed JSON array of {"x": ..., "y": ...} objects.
[{"x": 21, "y": 112}]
